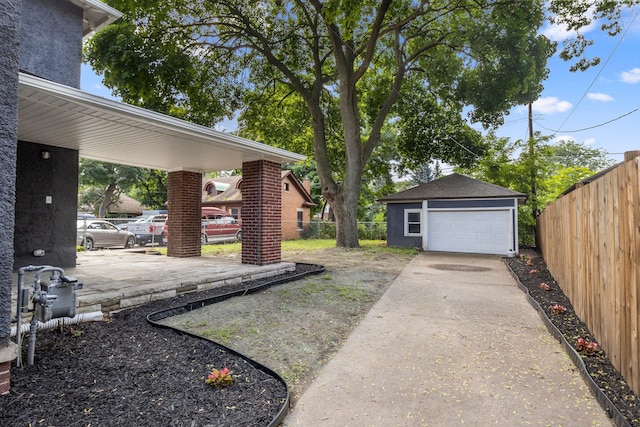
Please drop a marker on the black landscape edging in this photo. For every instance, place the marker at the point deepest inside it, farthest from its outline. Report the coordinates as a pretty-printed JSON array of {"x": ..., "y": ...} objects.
[
  {"x": 155, "y": 317},
  {"x": 604, "y": 401}
]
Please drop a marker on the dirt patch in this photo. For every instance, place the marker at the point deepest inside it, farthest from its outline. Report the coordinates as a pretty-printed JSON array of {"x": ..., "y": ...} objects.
[{"x": 295, "y": 328}]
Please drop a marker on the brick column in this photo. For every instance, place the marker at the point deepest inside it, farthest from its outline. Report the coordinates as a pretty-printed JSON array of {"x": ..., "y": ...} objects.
[
  {"x": 7, "y": 354},
  {"x": 185, "y": 196},
  {"x": 261, "y": 213},
  {"x": 10, "y": 11}
]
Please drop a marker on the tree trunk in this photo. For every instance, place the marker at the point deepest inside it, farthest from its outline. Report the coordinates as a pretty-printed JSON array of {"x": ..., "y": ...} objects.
[
  {"x": 107, "y": 200},
  {"x": 343, "y": 197},
  {"x": 347, "y": 221}
]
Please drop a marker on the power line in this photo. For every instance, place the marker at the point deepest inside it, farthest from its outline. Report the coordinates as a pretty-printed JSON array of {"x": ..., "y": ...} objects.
[
  {"x": 555, "y": 131},
  {"x": 599, "y": 72}
]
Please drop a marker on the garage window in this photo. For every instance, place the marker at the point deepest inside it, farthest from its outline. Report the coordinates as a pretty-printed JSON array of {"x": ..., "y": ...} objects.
[{"x": 413, "y": 222}]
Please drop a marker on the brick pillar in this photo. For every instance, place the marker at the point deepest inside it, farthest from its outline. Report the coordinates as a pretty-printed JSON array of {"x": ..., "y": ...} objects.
[
  {"x": 185, "y": 196},
  {"x": 7, "y": 354},
  {"x": 261, "y": 213}
]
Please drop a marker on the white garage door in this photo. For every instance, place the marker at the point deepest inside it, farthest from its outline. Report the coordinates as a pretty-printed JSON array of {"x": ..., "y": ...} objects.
[{"x": 480, "y": 232}]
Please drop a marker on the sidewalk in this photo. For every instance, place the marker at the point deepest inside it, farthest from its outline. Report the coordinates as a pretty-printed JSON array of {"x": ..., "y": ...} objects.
[{"x": 453, "y": 341}]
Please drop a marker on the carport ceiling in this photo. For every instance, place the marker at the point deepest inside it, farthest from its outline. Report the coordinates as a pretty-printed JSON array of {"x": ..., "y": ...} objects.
[{"x": 110, "y": 131}]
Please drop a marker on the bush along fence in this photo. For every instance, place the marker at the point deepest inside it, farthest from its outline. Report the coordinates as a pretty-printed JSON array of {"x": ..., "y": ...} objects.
[{"x": 590, "y": 240}]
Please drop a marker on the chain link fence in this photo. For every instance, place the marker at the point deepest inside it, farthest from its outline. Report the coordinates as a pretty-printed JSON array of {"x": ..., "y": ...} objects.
[
  {"x": 327, "y": 230},
  {"x": 367, "y": 230}
]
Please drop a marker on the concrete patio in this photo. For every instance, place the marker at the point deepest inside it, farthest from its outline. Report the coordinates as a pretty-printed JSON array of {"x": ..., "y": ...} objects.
[{"x": 119, "y": 279}]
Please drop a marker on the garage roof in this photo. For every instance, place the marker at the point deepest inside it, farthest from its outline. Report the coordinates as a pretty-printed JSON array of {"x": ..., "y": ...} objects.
[
  {"x": 110, "y": 131},
  {"x": 454, "y": 186}
]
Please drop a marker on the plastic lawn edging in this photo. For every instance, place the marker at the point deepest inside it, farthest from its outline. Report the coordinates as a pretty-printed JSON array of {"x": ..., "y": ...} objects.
[
  {"x": 155, "y": 317},
  {"x": 604, "y": 401}
]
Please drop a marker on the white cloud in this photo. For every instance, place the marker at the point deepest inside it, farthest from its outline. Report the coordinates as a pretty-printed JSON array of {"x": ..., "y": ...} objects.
[
  {"x": 550, "y": 105},
  {"x": 557, "y": 33},
  {"x": 600, "y": 97},
  {"x": 560, "y": 33},
  {"x": 564, "y": 138},
  {"x": 632, "y": 76},
  {"x": 589, "y": 141}
]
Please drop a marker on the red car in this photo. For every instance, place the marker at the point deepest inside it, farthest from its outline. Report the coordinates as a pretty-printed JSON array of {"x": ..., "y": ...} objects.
[{"x": 217, "y": 226}]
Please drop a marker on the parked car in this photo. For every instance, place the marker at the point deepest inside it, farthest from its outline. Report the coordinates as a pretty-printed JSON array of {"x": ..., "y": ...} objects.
[
  {"x": 217, "y": 226},
  {"x": 149, "y": 229},
  {"x": 123, "y": 225},
  {"x": 93, "y": 233}
]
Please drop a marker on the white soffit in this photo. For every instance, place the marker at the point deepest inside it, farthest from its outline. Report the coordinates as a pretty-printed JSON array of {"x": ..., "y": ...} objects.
[
  {"x": 97, "y": 15},
  {"x": 111, "y": 131}
]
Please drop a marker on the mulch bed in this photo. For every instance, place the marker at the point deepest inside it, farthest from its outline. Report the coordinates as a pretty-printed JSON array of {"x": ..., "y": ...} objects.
[
  {"x": 597, "y": 364},
  {"x": 127, "y": 372}
]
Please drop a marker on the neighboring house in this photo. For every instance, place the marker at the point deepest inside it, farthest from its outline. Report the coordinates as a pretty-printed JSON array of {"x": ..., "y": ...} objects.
[
  {"x": 455, "y": 213},
  {"x": 226, "y": 193},
  {"x": 126, "y": 207}
]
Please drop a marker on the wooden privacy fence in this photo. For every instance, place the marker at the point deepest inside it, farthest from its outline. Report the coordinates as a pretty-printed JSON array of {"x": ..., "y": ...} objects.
[{"x": 589, "y": 240}]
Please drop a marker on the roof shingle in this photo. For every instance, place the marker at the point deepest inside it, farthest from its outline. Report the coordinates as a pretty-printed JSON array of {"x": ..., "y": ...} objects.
[{"x": 454, "y": 186}]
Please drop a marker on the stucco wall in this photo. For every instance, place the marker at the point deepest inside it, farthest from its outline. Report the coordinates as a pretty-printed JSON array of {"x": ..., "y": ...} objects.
[
  {"x": 51, "y": 40},
  {"x": 395, "y": 226},
  {"x": 9, "y": 34},
  {"x": 42, "y": 225}
]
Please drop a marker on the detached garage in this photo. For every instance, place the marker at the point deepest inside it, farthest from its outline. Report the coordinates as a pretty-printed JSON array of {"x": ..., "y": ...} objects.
[{"x": 455, "y": 214}]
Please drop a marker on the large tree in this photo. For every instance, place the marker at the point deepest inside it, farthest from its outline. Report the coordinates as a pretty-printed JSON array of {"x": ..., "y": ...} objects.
[{"x": 341, "y": 66}]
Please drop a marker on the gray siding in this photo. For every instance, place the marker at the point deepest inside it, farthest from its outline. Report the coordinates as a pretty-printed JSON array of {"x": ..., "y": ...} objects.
[
  {"x": 395, "y": 226},
  {"x": 9, "y": 63},
  {"x": 51, "y": 40},
  {"x": 39, "y": 225}
]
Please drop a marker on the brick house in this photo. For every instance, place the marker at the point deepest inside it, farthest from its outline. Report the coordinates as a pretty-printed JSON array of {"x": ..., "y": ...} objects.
[{"x": 226, "y": 193}]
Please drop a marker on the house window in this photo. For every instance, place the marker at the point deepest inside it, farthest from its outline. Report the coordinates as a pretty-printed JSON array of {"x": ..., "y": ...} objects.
[
  {"x": 413, "y": 222},
  {"x": 234, "y": 213},
  {"x": 286, "y": 186},
  {"x": 300, "y": 224}
]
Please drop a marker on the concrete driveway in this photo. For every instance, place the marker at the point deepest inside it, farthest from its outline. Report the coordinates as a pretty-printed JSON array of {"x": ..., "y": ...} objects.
[{"x": 453, "y": 341}]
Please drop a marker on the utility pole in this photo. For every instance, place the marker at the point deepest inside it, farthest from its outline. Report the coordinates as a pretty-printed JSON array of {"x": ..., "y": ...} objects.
[{"x": 534, "y": 198}]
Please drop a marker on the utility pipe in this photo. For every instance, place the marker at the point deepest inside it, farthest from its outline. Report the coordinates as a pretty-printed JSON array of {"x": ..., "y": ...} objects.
[
  {"x": 19, "y": 306},
  {"x": 94, "y": 316}
]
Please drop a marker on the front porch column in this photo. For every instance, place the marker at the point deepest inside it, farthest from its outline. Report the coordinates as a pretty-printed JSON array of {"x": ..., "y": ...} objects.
[
  {"x": 261, "y": 213},
  {"x": 184, "y": 199}
]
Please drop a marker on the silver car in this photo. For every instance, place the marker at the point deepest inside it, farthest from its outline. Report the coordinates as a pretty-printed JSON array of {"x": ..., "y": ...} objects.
[{"x": 94, "y": 233}]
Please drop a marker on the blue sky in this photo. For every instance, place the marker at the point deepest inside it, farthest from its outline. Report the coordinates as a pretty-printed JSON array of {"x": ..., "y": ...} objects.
[
  {"x": 595, "y": 107},
  {"x": 601, "y": 98}
]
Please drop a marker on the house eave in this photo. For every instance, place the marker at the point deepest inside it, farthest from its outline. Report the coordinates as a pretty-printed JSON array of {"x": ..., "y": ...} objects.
[
  {"x": 111, "y": 131},
  {"x": 96, "y": 16}
]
